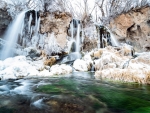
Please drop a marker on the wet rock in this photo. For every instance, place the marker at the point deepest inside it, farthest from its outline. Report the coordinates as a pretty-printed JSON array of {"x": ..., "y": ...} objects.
[
  {"x": 70, "y": 58},
  {"x": 5, "y": 20},
  {"x": 32, "y": 52}
]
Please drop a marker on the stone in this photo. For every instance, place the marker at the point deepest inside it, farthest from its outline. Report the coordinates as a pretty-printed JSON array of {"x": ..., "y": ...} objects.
[
  {"x": 80, "y": 65},
  {"x": 45, "y": 73},
  {"x": 17, "y": 67},
  {"x": 5, "y": 19},
  {"x": 50, "y": 62},
  {"x": 98, "y": 53},
  {"x": 60, "y": 69},
  {"x": 56, "y": 22},
  {"x": 133, "y": 28}
]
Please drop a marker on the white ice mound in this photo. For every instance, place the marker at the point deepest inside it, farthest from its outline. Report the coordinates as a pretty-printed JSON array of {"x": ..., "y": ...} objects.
[{"x": 16, "y": 67}]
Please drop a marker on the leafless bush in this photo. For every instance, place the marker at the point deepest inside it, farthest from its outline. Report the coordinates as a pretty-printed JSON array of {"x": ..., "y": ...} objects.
[{"x": 111, "y": 8}]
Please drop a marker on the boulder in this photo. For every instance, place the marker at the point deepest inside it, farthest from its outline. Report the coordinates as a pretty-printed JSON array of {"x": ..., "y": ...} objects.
[
  {"x": 50, "y": 62},
  {"x": 98, "y": 53},
  {"x": 17, "y": 67},
  {"x": 80, "y": 65},
  {"x": 133, "y": 28},
  {"x": 61, "y": 69}
]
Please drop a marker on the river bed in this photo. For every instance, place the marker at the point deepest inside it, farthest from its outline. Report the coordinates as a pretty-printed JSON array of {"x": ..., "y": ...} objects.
[{"x": 77, "y": 93}]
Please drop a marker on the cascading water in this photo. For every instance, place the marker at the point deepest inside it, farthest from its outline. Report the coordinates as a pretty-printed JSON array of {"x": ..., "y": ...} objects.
[
  {"x": 38, "y": 24},
  {"x": 78, "y": 38},
  {"x": 113, "y": 39},
  {"x": 72, "y": 29},
  {"x": 12, "y": 34}
]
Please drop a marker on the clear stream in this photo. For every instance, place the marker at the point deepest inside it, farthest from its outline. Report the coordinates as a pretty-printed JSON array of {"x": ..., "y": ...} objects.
[{"x": 78, "y": 93}]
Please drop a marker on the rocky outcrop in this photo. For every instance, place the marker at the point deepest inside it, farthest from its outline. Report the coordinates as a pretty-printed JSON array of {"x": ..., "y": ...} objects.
[
  {"x": 133, "y": 28},
  {"x": 56, "y": 22},
  {"x": 89, "y": 44},
  {"x": 91, "y": 37},
  {"x": 5, "y": 20}
]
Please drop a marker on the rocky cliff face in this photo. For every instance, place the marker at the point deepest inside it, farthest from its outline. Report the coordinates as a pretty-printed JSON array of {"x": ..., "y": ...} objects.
[
  {"x": 56, "y": 22},
  {"x": 5, "y": 20},
  {"x": 45, "y": 30},
  {"x": 133, "y": 28}
]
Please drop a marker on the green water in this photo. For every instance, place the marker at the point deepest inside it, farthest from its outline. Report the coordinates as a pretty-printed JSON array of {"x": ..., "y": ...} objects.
[
  {"x": 112, "y": 97},
  {"x": 79, "y": 93}
]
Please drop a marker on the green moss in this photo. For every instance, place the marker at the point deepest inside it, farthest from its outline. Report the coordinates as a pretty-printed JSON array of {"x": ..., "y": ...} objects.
[
  {"x": 49, "y": 89},
  {"x": 118, "y": 97}
]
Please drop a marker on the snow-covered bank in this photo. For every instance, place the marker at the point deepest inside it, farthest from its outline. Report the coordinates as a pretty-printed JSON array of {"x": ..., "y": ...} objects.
[
  {"x": 20, "y": 66},
  {"x": 117, "y": 64}
]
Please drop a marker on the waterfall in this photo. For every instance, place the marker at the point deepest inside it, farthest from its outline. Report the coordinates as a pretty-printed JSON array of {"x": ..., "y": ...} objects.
[
  {"x": 113, "y": 39},
  {"x": 72, "y": 29},
  {"x": 12, "y": 34},
  {"x": 38, "y": 24},
  {"x": 78, "y": 38}
]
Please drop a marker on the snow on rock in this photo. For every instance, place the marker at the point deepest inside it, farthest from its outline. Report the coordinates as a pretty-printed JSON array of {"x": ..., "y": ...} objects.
[
  {"x": 19, "y": 66},
  {"x": 80, "y": 65},
  {"x": 45, "y": 73},
  {"x": 16, "y": 67},
  {"x": 60, "y": 69},
  {"x": 119, "y": 65},
  {"x": 124, "y": 75},
  {"x": 1, "y": 65}
]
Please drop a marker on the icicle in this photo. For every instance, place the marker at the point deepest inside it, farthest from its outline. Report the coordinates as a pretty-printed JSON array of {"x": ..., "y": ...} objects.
[
  {"x": 82, "y": 34},
  {"x": 30, "y": 20},
  {"x": 72, "y": 29},
  {"x": 78, "y": 38},
  {"x": 21, "y": 33},
  {"x": 98, "y": 39},
  {"x": 36, "y": 22},
  {"x": 38, "y": 25},
  {"x": 31, "y": 30}
]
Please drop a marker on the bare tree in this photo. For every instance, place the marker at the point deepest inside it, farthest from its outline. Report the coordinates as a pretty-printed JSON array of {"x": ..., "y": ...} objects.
[{"x": 111, "y": 8}]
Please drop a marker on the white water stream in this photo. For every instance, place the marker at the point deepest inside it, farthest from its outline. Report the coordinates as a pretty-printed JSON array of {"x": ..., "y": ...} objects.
[
  {"x": 78, "y": 38},
  {"x": 12, "y": 34}
]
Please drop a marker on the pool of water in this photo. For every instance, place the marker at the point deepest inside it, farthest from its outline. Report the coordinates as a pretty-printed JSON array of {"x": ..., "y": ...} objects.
[{"x": 78, "y": 93}]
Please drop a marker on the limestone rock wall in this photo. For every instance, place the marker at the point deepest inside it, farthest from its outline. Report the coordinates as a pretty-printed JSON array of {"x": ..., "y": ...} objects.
[
  {"x": 90, "y": 37},
  {"x": 56, "y": 22},
  {"x": 133, "y": 28}
]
